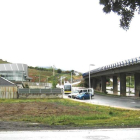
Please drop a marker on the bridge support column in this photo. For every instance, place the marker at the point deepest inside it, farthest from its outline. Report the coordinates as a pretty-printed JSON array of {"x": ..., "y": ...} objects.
[
  {"x": 123, "y": 84},
  {"x": 94, "y": 83},
  {"x": 103, "y": 83},
  {"x": 137, "y": 84},
  {"x": 98, "y": 84},
  {"x": 115, "y": 85}
]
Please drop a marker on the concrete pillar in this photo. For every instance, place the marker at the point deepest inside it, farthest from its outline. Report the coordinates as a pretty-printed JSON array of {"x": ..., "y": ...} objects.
[
  {"x": 137, "y": 84},
  {"x": 123, "y": 84},
  {"x": 98, "y": 87},
  {"x": 94, "y": 83},
  {"x": 115, "y": 85},
  {"x": 103, "y": 84}
]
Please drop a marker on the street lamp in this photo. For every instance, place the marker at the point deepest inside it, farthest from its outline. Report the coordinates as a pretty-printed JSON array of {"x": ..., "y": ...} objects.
[{"x": 89, "y": 76}]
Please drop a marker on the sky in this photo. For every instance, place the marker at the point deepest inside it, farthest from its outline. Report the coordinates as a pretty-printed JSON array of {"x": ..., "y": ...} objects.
[{"x": 69, "y": 34}]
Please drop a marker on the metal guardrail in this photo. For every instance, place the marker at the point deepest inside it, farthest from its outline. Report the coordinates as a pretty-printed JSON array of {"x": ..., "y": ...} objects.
[
  {"x": 47, "y": 91},
  {"x": 115, "y": 65}
]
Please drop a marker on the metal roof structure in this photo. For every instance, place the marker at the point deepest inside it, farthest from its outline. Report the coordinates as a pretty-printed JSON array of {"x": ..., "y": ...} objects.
[
  {"x": 15, "y": 67},
  {"x": 124, "y": 63},
  {"x": 5, "y": 82}
]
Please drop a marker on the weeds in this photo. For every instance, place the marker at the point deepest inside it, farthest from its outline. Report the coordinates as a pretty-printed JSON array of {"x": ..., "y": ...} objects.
[{"x": 66, "y": 112}]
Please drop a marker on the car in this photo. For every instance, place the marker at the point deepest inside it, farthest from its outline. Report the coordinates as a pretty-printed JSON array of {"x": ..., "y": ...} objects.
[
  {"x": 74, "y": 94},
  {"x": 89, "y": 90},
  {"x": 83, "y": 95}
]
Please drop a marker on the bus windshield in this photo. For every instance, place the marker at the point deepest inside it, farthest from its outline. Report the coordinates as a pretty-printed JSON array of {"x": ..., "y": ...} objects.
[{"x": 67, "y": 87}]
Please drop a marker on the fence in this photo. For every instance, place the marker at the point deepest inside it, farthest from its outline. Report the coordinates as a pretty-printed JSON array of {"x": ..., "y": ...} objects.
[
  {"x": 40, "y": 93},
  {"x": 8, "y": 92}
]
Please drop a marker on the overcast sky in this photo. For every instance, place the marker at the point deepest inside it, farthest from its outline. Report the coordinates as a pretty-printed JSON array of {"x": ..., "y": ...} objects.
[{"x": 70, "y": 34}]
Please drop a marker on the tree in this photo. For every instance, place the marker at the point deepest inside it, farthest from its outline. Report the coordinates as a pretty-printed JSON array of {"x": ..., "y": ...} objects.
[
  {"x": 123, "y": 8},
  {"x": 54, "y": 82},
  {"x": 73, "y": 73},
  {"x": 59, "y": 71}
]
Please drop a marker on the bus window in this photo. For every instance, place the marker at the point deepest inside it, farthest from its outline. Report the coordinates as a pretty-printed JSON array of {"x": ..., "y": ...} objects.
[{"x": 67, "y": 88}]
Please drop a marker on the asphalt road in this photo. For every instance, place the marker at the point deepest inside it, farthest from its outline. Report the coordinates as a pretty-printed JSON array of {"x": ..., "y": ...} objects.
[
  {"x": 94, "y": 134},
  {"x": 120, "y": 102}
]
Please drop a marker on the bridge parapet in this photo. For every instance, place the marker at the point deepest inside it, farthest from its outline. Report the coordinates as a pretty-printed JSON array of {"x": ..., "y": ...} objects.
[{"x": 124, "y": 63}]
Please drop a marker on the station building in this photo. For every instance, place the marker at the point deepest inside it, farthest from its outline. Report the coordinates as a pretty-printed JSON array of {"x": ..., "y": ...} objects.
[{"x": 14, "y": 72}]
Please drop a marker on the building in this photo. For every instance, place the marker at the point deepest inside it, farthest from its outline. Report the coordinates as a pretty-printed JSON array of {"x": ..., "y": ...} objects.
[{"x": 14, "y": 72}]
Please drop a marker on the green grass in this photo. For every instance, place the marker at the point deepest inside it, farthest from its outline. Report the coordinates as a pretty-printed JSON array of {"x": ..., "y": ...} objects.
[{"x": 75, "y": 114}]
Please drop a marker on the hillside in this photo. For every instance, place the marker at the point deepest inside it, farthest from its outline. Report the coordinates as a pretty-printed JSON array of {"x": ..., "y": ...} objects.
[
  {"x": 3, "y": 62},
  {"x": 46, "y": 75}
]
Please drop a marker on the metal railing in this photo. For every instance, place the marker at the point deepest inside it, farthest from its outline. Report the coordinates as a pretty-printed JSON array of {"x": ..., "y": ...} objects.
[
  {"x": 115, "y": 65},
  {"x": 46, "y": 91}
]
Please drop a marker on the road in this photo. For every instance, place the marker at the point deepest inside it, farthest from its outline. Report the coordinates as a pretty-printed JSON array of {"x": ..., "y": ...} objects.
[
  {"x": 120, "y": 102},
  {"x": 94, "y": 134}
]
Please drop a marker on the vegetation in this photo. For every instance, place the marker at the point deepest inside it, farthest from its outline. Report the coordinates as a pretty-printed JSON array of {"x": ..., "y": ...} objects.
[
  {"x": 81, "y": 84},
  {"x": 59, "y": 71},
  {"x": 123, "y": 8},
  {"x": 3, "y": 62},
  {"x": 67, "y": 112},
  {"x": 46, "y": 75}
]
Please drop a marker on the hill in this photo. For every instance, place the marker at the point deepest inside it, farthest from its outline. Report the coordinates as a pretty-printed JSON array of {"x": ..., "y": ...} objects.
[
  {"x": 46, "y": 75},
  {"x": 3, "y": 62}
]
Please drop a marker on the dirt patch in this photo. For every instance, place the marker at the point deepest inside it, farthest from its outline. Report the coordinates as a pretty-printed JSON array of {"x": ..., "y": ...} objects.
[
  {"x": 11, "y": 112},
  {"x": 36, "y": 109}
]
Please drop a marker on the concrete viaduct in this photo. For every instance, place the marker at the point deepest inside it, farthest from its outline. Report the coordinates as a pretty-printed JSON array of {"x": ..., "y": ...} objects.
[{"x": 121, "y": 69}]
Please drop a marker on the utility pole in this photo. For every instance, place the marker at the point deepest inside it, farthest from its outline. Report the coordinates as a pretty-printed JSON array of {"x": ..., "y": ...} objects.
[
  {"x": 53, "y": 70},
  {"x": 89, "y": 77},
  {"x": 61, "y": 81},
  {"x": 39, "y": 77},
  {"x": 71, "y": 77}
]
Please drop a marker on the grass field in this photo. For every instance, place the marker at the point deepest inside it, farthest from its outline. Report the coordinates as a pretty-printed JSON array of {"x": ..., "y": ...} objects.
[{"x": 66, "y": 112}]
